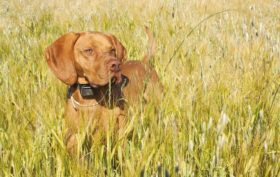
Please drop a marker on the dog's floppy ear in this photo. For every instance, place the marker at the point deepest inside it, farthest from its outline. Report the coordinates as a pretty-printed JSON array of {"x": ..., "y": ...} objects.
[
  {"x": 60, "y": 58},
  {"x": 120, "y": 50}
]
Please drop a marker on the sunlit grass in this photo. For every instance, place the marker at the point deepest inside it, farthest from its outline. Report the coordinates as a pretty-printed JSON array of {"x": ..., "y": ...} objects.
[{"x": 220, "y": 115}]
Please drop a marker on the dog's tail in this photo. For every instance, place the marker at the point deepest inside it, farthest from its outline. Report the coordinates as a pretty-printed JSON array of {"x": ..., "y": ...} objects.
[{"x": 151, "y": 46}]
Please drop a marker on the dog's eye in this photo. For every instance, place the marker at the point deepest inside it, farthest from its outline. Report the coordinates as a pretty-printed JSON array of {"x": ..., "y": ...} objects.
[
  {"x": 89, "y": 51},
  {"x": 113, "y": 52}
]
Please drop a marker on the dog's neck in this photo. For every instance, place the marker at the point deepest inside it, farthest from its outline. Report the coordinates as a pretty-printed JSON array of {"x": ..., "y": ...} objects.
[{"x": 109, "y": 95}]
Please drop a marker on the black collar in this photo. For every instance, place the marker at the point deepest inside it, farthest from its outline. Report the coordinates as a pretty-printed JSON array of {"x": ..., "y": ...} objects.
[{"x": 87, "y": 91}]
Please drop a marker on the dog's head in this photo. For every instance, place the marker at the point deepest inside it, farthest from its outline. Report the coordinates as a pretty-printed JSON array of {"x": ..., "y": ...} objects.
[{"x": 93, "y": 55}]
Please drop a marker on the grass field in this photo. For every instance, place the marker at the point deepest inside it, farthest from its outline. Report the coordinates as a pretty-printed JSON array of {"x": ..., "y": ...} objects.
[{"x": 220, "y": 115}]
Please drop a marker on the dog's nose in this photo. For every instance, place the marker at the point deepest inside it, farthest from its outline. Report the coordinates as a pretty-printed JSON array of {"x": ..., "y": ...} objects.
[{"x": 114, "y": 65}]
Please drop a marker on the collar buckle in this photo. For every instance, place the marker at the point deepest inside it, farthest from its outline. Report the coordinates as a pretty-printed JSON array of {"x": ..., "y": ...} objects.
[{"x": 86, "y": 90}]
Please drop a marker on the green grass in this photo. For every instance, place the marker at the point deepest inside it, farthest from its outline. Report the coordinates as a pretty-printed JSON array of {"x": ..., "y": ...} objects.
[{"x": 220, "y": 115}]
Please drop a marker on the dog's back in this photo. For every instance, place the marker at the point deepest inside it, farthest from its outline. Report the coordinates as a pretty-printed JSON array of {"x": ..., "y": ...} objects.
[{"x": 143, "y": 80}]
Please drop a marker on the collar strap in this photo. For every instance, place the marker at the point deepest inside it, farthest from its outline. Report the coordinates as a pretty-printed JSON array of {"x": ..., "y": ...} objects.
[
  {"x": 86, "y": 90},
  {"x": 76, "y": 104}
]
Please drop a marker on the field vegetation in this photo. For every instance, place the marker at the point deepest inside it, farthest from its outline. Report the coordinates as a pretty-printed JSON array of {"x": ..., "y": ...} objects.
[{"x": 220, "y": 115}]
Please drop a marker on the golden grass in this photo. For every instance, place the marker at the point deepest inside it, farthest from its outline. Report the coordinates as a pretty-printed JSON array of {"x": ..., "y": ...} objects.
[{"x": 220, "y": 114}]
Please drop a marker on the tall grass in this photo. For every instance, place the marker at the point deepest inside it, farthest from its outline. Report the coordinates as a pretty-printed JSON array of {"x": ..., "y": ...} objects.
[{"x": 221, "y": 112}]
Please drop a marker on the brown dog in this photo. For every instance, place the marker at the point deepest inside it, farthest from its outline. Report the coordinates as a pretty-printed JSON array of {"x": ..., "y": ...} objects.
[{"x": 100, "y": 82}]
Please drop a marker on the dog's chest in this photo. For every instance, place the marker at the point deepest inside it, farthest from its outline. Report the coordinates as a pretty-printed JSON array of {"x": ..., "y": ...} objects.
[{"x": 97, "y": 116}]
